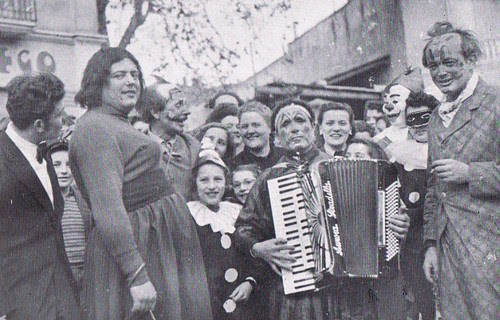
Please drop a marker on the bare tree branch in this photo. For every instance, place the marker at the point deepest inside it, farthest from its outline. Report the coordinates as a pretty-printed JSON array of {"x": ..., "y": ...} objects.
[{"x": 135, "y": 22}]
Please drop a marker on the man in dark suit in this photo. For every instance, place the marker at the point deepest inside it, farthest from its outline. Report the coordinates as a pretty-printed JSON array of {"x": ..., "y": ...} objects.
[{"x": 35, "y": 278}]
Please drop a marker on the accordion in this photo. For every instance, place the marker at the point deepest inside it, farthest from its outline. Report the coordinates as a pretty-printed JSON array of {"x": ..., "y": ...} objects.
[{"x": 336, "y": 220}]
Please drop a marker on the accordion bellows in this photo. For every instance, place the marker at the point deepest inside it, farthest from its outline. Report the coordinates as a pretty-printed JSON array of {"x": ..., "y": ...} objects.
[{"x": 338, "y": 224}]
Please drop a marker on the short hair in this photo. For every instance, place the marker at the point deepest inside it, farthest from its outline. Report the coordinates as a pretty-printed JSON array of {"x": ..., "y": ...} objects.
[
  {"x": 374, "y": 150},
  {"x": 221, "y": 111},
  {"x": 211, "y": 102},
  {"x": 97, "y": 73},
  {"x": 373, "y": 105},
  {"x": 58, "y": 145},
  {"x": 286, "y": 103},
  {"x": 200, "y": 133},
  {"x": 253, "y": 168},
  {"x": 337, "y": 106},
  {"x": 33, "y": 97},
  {"x": 255, "y": 106},
  {"x": 362, "y": 126},
  {"x": 471, "y": 49},
  {"x": 417, "y": 99}
]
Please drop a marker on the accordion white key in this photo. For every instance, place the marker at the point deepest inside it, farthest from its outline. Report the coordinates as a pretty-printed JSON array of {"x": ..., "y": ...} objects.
[{"x": 291, "y": 223}]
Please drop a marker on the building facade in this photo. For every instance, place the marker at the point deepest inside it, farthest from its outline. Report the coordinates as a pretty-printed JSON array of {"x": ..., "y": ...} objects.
[
  {"x": 373, "y": 41},
  {"x": 57, "y": 36}
]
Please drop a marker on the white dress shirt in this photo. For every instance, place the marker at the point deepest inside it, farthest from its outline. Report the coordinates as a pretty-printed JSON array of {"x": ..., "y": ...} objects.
[{"x": 28, "y": 150}]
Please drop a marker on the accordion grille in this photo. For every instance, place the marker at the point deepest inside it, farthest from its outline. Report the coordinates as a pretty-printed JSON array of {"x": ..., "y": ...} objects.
[{"x": 355, "y": 194}]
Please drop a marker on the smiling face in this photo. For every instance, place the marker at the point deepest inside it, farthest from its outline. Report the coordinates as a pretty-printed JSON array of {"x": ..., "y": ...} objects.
[
  {"x": 175, "y": 113},
  {"x": 242, "y": 183},
  {"x": 210, "y": 184},
  {"x": 61, "y": 166},
  {"x": 395, "y": 104},
  {"x": 219, "y": 139},
  {"x": 122, "y": 90},
  {"x": 294, "y": 129},
  {"x": 358, "y": 151},
  {"x": 231, "y": 123},
  {"x": 447, "y": 65},
  {"x": 254, "y": 130},
  {"x": 335, "y": 128}
]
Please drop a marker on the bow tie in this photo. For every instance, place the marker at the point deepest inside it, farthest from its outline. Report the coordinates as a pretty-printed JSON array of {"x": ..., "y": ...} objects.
[{"x": 42, "y": 151}]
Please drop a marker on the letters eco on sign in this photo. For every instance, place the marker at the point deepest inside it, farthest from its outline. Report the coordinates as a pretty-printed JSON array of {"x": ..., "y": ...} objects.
[{"x": 25, "y": 61}]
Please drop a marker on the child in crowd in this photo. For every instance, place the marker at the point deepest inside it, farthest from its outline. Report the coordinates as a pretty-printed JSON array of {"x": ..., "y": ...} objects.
[
  {"x": 243, "y": 178},
  {"x": 229, "y": 282},
  {"x": 219, "y": 136},
  {"x": 76, "y": 217}
]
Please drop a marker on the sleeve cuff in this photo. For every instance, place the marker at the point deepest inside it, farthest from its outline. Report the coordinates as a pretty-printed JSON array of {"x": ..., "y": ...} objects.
[
  {"x": 139, "y": 277},
  {"x": 252, "y": 281},
  {"x": 429, "y": 243}
]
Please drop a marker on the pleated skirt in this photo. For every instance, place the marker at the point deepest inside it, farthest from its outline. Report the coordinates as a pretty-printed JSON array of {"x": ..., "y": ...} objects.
[{"x": 168, "y": 243}]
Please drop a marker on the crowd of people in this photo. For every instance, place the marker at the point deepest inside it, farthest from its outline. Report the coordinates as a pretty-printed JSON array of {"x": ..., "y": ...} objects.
[{"x": 113, "y": 216}]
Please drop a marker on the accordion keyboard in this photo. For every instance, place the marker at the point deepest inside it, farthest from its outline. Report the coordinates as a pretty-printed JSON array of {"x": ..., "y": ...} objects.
[
  {"x": 391, "y": 208},
  {"x": 290, "y": 223}
]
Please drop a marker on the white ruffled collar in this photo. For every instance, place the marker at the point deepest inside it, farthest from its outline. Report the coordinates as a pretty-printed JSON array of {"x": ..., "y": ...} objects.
[
  {"x": 222, "y": 221},
  {"x": 410, "y": 153}
]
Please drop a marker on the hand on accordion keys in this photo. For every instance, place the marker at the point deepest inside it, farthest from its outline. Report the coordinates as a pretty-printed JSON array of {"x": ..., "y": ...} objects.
[
  {"x": 400, "y": 223},
  {"x": 276, "y": 252}
]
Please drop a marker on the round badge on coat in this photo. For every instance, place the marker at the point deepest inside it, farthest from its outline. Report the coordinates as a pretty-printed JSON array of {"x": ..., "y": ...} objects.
[
  {"x": 414, "y": 197},
  {"x": 231, "y": 275},
  {"x": 229, "y": 306},
  {"x": 225, "y": 241}
]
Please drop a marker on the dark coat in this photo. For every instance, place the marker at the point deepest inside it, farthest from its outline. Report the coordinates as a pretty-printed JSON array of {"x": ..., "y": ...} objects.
[{"x": 34, "y": 269}]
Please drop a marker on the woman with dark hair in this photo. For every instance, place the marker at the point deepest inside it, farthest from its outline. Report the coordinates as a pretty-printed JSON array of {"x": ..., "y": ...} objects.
[
  {"x": 336, "y": 127},
  {"x": 227, "y": 115},
  {"x": 133, "y": 263},
  {"x": 219, "y": 135}
]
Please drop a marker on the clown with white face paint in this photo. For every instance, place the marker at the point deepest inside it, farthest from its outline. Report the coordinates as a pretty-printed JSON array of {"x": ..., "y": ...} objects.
[{"x": 395, "y": 107}]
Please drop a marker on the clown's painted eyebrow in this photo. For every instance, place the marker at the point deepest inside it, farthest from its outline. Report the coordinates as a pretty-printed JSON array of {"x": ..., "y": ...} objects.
[{"x": 394, "y": 95}]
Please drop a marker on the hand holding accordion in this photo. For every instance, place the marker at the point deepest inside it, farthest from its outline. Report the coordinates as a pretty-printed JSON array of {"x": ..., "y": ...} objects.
[{"x": 339, "y": 226}]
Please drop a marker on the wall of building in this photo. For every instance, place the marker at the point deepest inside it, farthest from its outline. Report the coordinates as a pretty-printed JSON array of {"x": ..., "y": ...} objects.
[
  {"x": 480, "y": 16},
  {"x": 351, "y": 40},
  {"x": 360, "y": 33},
  {"x": 63, "y": 40}
]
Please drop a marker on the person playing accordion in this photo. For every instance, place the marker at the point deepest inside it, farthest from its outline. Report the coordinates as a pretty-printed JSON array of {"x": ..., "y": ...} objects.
[{"x": 255, "y": 233}]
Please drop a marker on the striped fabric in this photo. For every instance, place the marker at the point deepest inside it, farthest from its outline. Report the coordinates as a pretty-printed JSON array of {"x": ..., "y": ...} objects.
[{"x": 73, "y": 232}]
